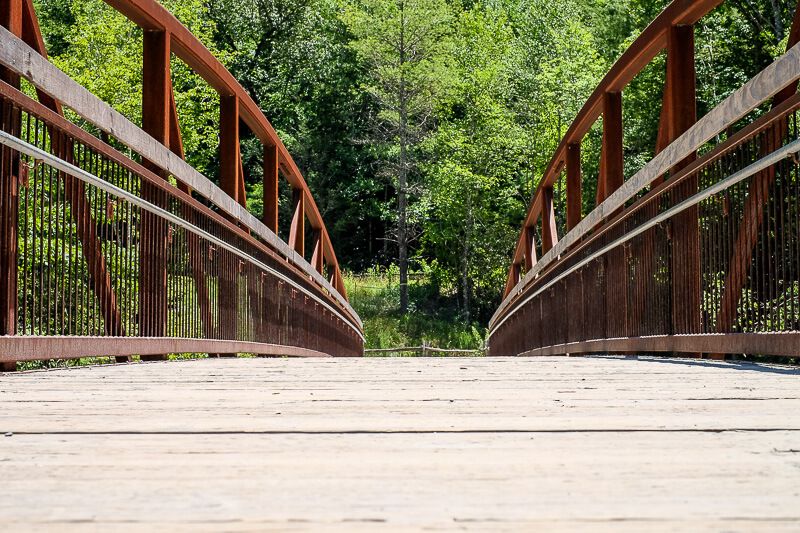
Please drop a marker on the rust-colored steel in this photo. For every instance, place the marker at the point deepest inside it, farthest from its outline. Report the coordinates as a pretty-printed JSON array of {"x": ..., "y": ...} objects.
[
  {"x": 750, "y": 224},
  {"x": 11, "y": 17},
  {"x": 271, "y": 188},
  {"x": 155, "y": 269},
  {"x": 664, "y": 264},
  {"x": 574, "y": 186},
  {"x": 229, "y": 156},
  {"x": 549, "y": 231},
  {"x": 297, "y": 232},
  {"x": 151, "y": 15},
  {"x": 651, "y": 42},
  {"x": 612, "y": 164},
  {"x": 530, "y": 248},
  {"x": 156, "y": 118},
  {"x": 318, "y": 257},
  {"x": 686, "y": 287}
]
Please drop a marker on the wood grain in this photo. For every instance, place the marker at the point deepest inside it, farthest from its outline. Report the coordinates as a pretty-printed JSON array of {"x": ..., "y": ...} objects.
[{"x": 403, "y": 444}]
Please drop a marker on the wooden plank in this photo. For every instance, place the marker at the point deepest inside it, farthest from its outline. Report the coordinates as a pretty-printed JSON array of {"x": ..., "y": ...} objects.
[{"x": 613, "y": 444}]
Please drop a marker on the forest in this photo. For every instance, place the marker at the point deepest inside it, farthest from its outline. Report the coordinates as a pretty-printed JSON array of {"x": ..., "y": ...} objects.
[{"x": 421, "y": 126}]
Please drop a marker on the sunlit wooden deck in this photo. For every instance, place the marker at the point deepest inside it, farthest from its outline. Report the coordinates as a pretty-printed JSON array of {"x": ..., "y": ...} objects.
[{"x": 366, "y": 444}]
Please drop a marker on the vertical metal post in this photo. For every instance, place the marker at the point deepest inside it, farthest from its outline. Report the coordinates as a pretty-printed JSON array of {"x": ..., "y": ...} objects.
[
  {"x": 612, "y": 177},
  {"x": 229, "y": 182},
  {"x": 530, "y": 248},
  {"x": 318, "y": 259},
  {"x": 153, "y": 243},
  {"x": 11, "y": 19},
  {"x": 574, "y": 188},
  {"x": 612, "y": 167},
  {"x": 681, "y": 97},
  {"x": 297, "y": 231},
  {"x": 516, "y": 273},
  {"x": 229, "y": 146},
  {"x": 271, "y": 187},
  {"x": 549, "y": 230},
  {"x": 510, "y": 282}
]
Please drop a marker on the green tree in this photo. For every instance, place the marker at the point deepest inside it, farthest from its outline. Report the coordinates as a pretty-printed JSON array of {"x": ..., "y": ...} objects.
[
  {"x": 475, "y": 159},
  {"x": 294, "y": 59},
  {"x": 405, "y": 44},
  {"x": 100, "y": 49}
]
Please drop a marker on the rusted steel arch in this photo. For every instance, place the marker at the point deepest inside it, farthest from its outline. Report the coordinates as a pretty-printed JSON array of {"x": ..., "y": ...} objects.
[
  {"x": 249, "y": 290},
  {"x": 544, "y": 297},
  {"x": 152, "y": 16},
  {"x": 651, "y": 42}
]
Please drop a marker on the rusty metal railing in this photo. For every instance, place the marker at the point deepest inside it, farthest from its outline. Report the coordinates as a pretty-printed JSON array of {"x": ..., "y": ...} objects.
[
  {"x": 114, "y": 246},
  {"x": 697, "y": 253}
]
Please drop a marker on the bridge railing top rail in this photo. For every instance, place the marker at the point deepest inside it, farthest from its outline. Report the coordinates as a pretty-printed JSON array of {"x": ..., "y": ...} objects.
[
  {"x": 27, "y": 62},
  {"x": 652, "y": 41},
  {"x": 769, "y": 82},
  {"x": 298, "y": 277}
]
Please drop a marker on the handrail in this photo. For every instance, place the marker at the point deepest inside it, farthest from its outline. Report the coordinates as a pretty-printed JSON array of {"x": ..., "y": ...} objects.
[
  {"x": 760, "y": 88},
  {"x": 22, "y": 59},
  {"x": 791, "y": 149},
  {"x": 638, "y": 55},
  {"x": 57, "y": 163}
]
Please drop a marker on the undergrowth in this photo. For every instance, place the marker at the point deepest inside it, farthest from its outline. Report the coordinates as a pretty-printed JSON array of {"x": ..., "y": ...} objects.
[{"x": 433, "y": 317}]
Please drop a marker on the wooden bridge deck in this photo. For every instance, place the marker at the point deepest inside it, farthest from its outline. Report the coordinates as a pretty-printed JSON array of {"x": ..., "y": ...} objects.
[{"x": 362, "y": 444}]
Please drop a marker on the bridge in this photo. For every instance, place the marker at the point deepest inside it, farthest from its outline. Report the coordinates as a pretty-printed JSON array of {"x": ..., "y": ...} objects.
[
  {"x": 113, "y": 246},
  {"x": 697, "y": 252}
]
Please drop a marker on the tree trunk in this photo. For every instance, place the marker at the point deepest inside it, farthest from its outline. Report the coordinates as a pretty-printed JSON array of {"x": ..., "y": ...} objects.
[
  {"x": 402, "y": 232},
  {"x": 465, "y": 250},
  {"x": 777, "y": 18},
  {"x": 402, "y": 177}
]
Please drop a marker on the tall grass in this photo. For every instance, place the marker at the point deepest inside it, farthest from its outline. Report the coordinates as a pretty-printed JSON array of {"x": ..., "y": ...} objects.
[{"x": 433, "y": 317}]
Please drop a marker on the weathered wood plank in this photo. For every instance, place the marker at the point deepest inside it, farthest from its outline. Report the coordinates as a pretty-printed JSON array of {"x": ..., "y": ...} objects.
[{"x": 399, "y": 444}]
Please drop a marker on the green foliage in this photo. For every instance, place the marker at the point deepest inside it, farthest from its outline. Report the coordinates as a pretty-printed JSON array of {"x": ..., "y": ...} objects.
[
  {"x": 102, "y": 50},
  {"x": 294, "y": 59},
  {"x": 433, "y": 320}
]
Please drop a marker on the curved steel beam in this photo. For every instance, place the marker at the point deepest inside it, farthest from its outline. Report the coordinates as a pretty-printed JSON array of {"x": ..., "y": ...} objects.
[
  {"x": 651, "y": 42},
  {"x": 151, "y": 15},
  {"x": 45, "y": 76}
]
